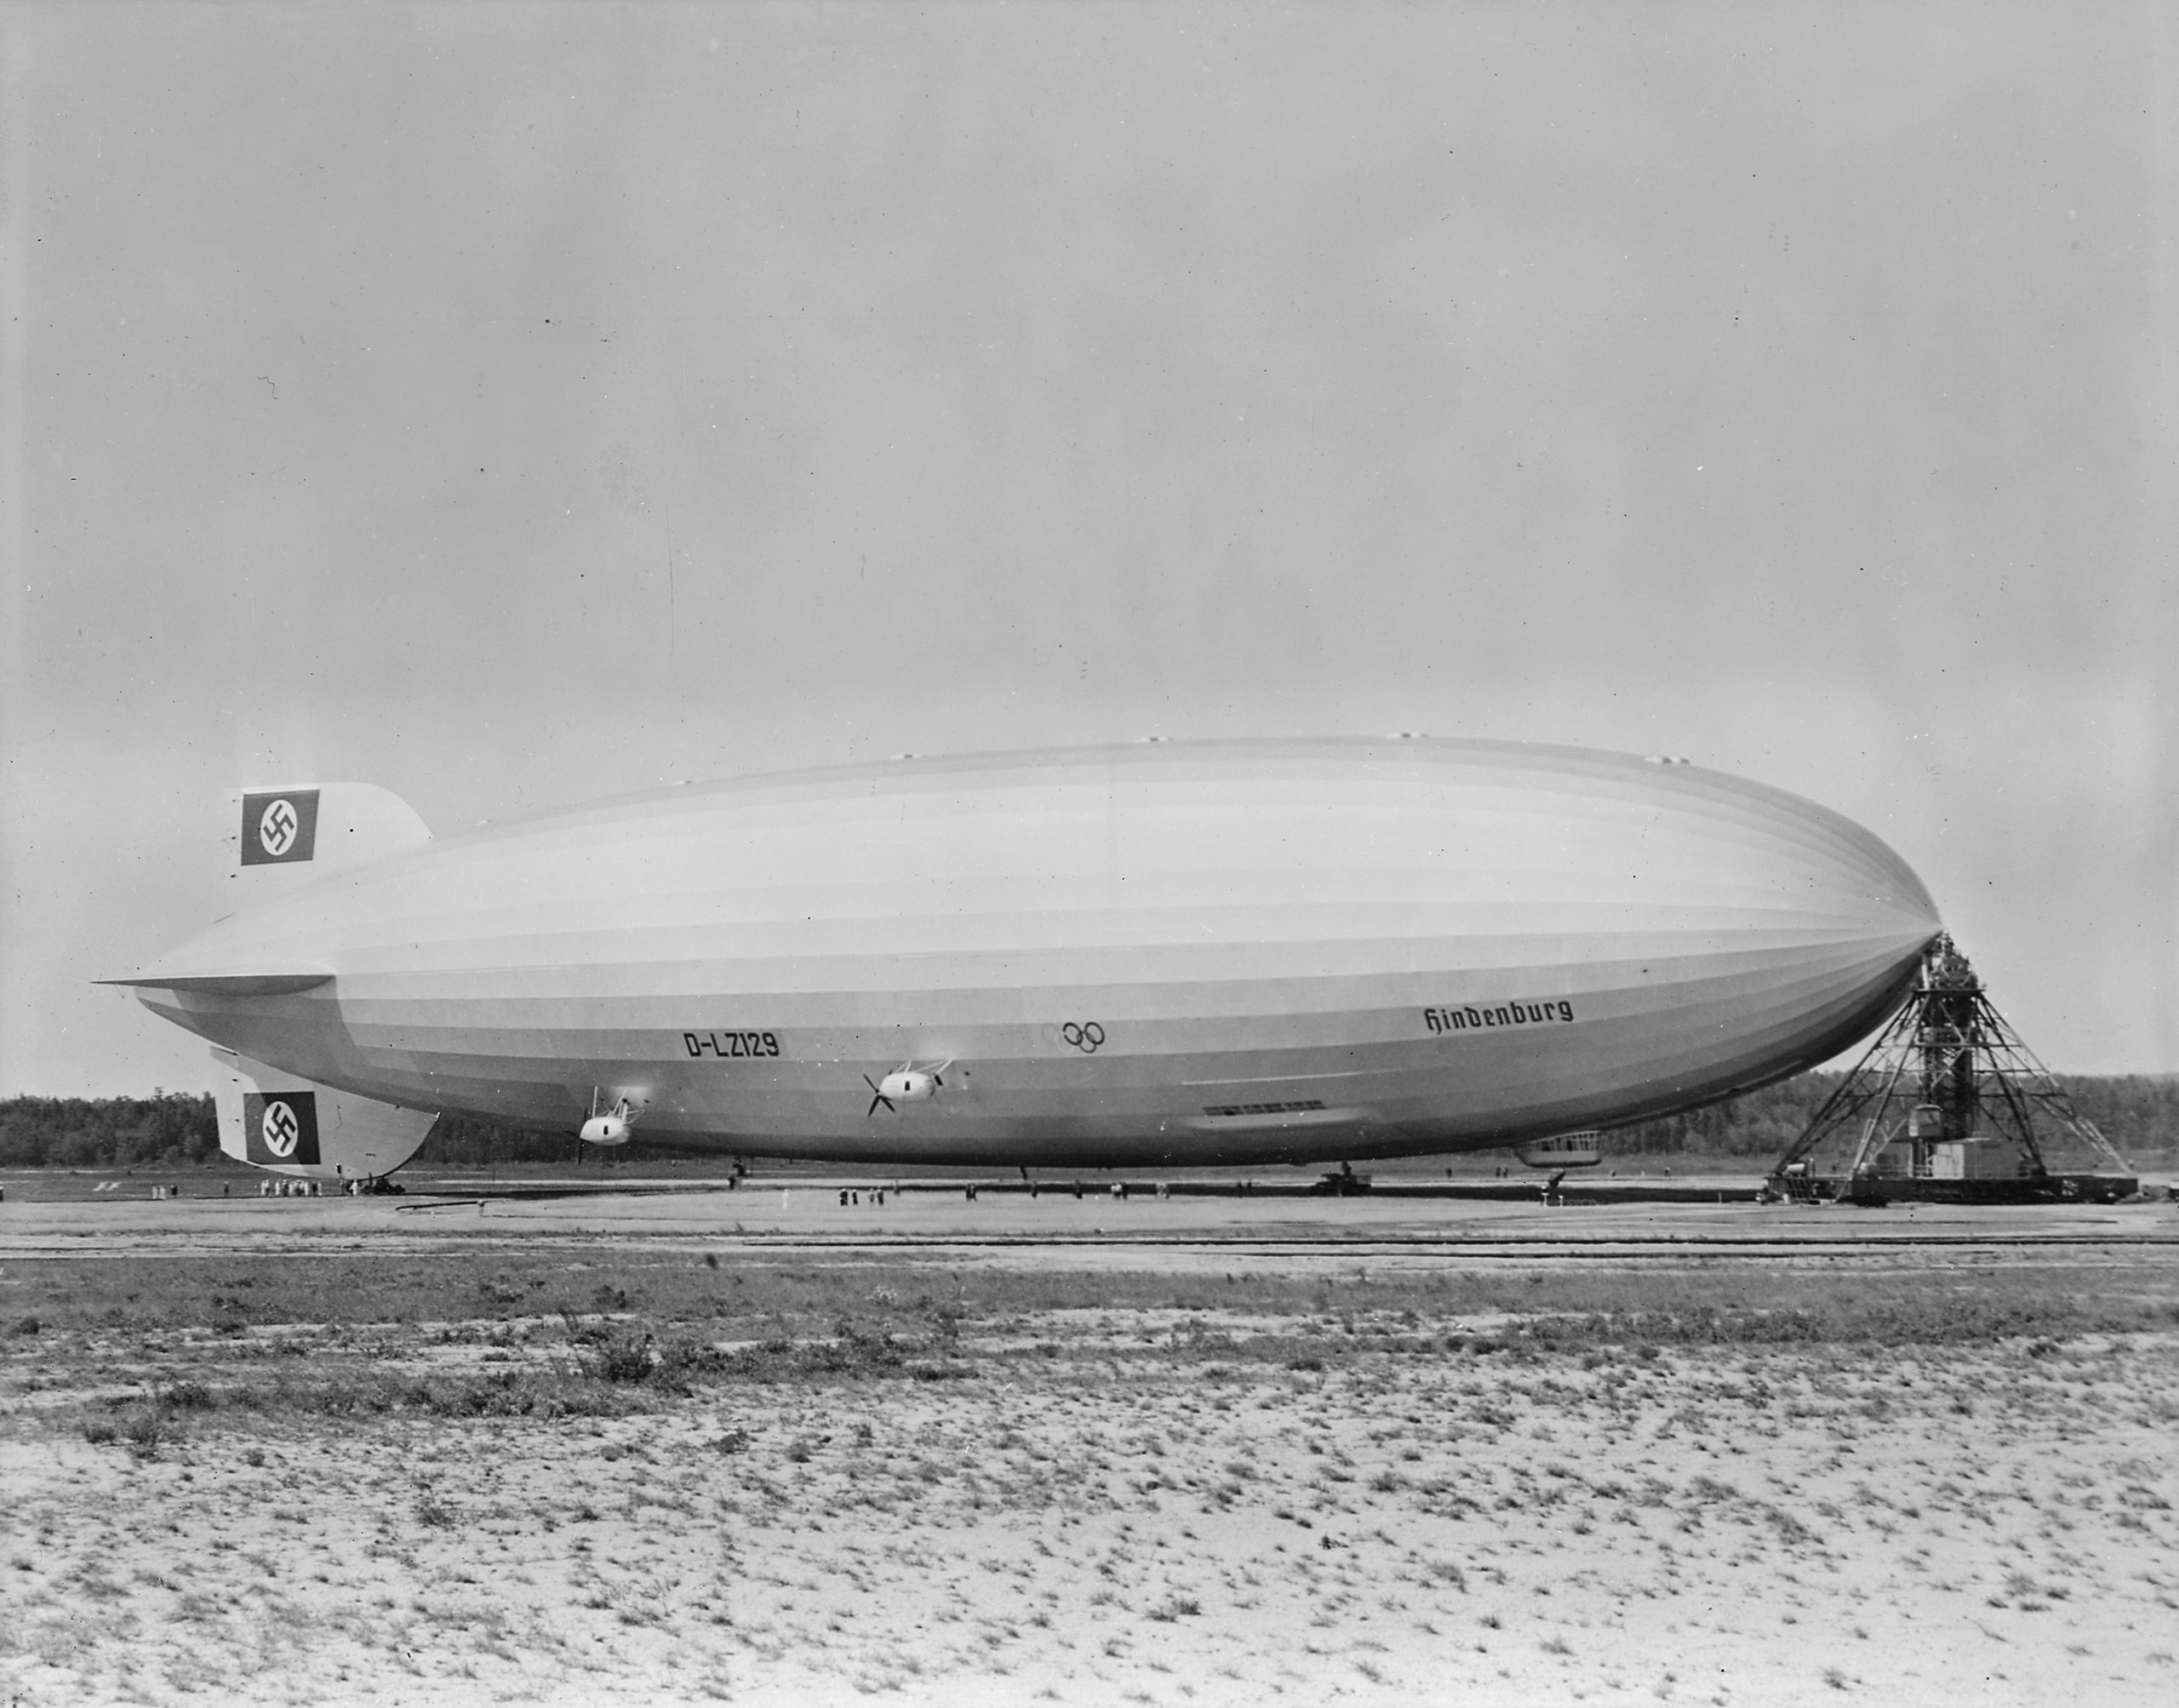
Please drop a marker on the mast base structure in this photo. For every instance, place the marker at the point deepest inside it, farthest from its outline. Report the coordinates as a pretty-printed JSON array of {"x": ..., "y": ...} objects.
[{"x": 1949, "y": 1106}]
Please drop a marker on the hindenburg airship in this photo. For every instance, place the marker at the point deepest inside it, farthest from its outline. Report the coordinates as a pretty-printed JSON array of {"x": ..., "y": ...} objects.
[{"x": 1171, "y": 954}]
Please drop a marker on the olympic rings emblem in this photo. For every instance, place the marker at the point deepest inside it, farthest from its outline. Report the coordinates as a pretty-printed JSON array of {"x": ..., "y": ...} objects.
[{"x": 1085, "y": 1038}]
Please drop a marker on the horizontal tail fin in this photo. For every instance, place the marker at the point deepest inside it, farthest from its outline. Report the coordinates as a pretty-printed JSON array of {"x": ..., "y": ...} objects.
[{"x": 230, "y": 984}]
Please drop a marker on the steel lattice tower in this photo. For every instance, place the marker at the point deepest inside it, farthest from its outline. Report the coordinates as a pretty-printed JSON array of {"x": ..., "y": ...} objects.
[{"x": 1947, "y": 1073}]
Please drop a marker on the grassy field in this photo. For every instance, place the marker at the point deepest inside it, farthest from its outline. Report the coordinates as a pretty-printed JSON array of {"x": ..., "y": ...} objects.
[
  {"x": 735, "y": 1295},
  {"x": 214, "y": 1342}
]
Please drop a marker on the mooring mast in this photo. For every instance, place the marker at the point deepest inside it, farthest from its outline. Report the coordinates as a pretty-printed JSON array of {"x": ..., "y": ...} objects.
[{"x": 1948, "y": 1103}]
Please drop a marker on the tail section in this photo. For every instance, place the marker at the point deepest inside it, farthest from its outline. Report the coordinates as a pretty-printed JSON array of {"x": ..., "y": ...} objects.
[
  {"x": 275, "y": 1121},
  {"x": 325, "y": 825},
  {"x": 312, "y": 831}
]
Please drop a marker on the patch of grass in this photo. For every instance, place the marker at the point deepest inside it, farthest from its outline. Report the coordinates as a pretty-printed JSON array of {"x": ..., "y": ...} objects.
[
  {"x": 188, "y": 1395},
  {"x": 500, "y": 1394},
  {"x": 751, "y": 1295},
  {"x": 850, "y": 1352},
  {"x": 625, "y": 1358},
  {"x": 628, "y": 1372},
  {"x": 504, "y": 1289},
  {"x": 145, "y": 1431}
]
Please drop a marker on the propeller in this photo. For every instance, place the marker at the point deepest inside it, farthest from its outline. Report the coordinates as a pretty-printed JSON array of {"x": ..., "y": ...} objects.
[{"x": 877, "y": 1097}]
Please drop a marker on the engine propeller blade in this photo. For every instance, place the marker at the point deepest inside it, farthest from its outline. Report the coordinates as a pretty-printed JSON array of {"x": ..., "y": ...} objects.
[{"x": 877, "y": 1097}]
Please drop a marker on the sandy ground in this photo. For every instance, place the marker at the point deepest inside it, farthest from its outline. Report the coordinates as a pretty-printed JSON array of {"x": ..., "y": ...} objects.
[{"x": 1099, "y": 1505}]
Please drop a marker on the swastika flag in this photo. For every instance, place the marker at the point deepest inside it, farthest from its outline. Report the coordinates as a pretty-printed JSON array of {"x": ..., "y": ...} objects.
[
  {"x": 280, "y": 1126},
  {"x": 279, "y": 827}
]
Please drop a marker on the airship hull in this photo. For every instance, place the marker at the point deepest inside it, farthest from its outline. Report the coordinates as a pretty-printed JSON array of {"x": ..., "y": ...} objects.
[{"x": 1174, "y": 954}]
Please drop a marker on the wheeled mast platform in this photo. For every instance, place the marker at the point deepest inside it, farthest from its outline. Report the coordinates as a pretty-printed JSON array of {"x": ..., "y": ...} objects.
[{"x": 1948, "y": 1105}]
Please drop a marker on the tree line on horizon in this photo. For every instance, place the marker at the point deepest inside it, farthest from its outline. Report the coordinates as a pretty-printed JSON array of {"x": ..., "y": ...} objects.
[{"x": 179, "y": 1129}]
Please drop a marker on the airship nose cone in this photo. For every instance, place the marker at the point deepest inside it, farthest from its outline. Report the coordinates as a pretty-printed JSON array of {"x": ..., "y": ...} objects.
[
  {"x": 1812, "y": 927},
  {"x": 1824, "y": 867}
]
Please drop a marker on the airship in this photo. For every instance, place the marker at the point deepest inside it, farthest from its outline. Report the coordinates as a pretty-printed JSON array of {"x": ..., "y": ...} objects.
[{"x": 1170, "y": 954}]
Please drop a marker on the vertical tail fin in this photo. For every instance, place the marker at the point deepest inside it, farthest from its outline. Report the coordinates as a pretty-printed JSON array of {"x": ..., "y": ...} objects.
[
  {"x": 281, "y": 1121},
  {"x": 323, "y": 826}
]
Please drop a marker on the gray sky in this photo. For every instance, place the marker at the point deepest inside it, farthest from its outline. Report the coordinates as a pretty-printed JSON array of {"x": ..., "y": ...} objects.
[{"x": 515, "y": 405}]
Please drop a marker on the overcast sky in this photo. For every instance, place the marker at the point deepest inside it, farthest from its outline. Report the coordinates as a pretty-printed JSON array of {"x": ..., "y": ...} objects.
[{"x": 512, "y": 405}]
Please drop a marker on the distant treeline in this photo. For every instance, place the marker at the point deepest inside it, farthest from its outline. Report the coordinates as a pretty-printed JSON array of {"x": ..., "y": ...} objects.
[
  {"x": 2134, "y": 1111},
  {"x": 169, "y": 1127},
  {"x": 175, "y": 1130},
  {"x": 172, "y": 1130}
]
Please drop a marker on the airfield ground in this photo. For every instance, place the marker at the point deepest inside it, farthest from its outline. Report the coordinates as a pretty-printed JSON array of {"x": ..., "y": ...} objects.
[{"x": 713, "y": 1446}]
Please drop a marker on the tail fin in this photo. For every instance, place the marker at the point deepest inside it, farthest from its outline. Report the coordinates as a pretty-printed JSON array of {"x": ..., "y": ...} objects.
[
  {"x": 325, "y": 825},
  {"x": 319, "y": 828},
  {"x": 279, "y": 1122}
]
